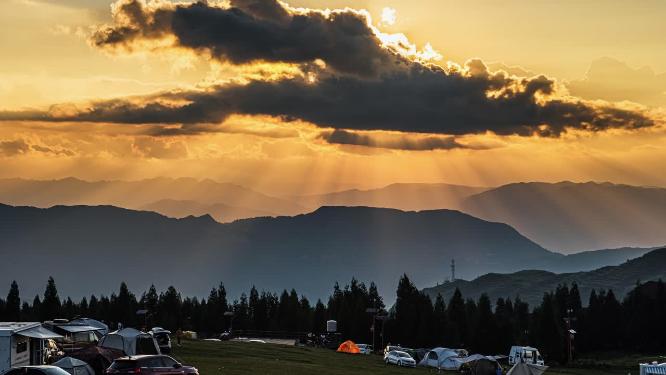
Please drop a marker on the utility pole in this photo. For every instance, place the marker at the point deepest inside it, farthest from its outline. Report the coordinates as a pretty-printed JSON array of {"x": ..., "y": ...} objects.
[
  {"x": 373, "y": 311},
  {"x": 570, "y": 334}
]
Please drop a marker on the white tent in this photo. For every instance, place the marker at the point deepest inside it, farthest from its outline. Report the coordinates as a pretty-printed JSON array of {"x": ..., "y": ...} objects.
[
  {"x": 99, "y": 326},
  {"x": 526, "y": 369},
  {"x": 443, "y": 358},
  {"x": 130, "y": 341},
  {"x": 74, "y": 366}
]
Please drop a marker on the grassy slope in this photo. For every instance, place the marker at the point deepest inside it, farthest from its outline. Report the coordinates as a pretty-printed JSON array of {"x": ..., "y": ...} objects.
[{"x": 229, "y": 358}]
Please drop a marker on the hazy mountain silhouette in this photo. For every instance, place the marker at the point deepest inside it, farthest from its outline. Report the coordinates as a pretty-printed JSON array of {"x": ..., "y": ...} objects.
[
  {"x": 403, "y": 196},
  {"x": 571, "y": 216},
  {"x": 219, "y": 211},
  {"x": 531, "y": 285},
  {"x": 139, "y": 194},
  {"x": 92, "y": 249}
]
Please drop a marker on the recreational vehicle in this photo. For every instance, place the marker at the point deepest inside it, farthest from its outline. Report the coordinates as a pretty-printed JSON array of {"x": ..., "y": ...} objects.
[{"x": 23, "y": 344}]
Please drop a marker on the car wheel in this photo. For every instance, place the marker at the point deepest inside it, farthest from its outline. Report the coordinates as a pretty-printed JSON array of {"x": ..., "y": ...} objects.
[{"x": 400, "y": 363}]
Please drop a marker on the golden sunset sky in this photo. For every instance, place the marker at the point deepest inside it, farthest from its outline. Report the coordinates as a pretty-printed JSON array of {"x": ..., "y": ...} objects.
[{"x": 288, "y": 98}]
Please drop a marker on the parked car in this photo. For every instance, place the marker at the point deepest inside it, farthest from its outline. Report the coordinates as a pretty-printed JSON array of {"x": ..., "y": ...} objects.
[
  {"x": 400, "y": 358},
  {"x": 390, "y": 348},
  {"x": 36, "y": 370},
  {"x": 365, "y": 348},
  {"x": 150, "y": 365}
]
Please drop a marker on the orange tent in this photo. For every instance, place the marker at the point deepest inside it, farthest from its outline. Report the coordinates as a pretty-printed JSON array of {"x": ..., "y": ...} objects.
[{"x": 349, "y": 347}]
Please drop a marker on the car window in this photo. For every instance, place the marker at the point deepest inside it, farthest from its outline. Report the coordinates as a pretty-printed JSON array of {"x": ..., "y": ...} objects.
[
  {"x": 123, "y": 365},
  {"x": 168, "y": 361},
  {"x": 151, "y": 362},
  {"x": 15, "y": 371}
]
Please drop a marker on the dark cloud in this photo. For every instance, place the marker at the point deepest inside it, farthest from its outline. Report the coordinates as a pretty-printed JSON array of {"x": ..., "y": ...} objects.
[
  {"x": 395, "y": 142},
  {"x": 363, "y": 86},
  {"x": 20, "y": 147},
  {"x": 253, "y": 30},
  {"x": 421, "y": 99},
  {"x": 15, "y": 147}
]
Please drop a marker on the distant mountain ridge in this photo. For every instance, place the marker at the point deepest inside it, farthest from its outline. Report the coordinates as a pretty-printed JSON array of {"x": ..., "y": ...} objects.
[
  {"x": 571, "y": 217},
  {"x": 222, "y": 200},
  {"x": 92, "y": 248},
  {"x": 218, "y": 211},
  {"x": 565, "y": 217},
  {"x": 402, "y": 196},
  {"x": 530, "y": 285}
]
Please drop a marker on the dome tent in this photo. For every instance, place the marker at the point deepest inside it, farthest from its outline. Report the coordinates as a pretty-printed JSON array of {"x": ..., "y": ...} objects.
[
  {"x": 349, "y": 347},
  {"x": 74, "y": 366},
  {"x": 130, "y": 341},
  {"x": 444, "y": 358}
]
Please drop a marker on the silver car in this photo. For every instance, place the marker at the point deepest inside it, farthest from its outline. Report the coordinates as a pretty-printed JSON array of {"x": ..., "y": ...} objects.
[{"x": 397, "y": 357}]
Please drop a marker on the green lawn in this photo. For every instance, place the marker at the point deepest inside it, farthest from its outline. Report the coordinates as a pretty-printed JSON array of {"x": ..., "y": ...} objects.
[{"x": 213, "y": 358}]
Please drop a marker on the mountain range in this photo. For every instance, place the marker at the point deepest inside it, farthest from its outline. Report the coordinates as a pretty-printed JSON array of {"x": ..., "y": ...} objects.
[
  {"x": 89, "y": 249},
  {"x": 178, "y": 197},
  {"x": 570, "y": 217},
  {"x": 530, "y": 285},
  {"x": 566, "y": 217}
]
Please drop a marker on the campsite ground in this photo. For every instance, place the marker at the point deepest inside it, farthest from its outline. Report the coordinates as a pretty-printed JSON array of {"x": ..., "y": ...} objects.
[{"x": 232, "y": 358}]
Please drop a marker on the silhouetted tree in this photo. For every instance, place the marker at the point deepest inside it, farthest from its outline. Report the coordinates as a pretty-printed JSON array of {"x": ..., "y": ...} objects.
[{"x": 13, "y": 304}]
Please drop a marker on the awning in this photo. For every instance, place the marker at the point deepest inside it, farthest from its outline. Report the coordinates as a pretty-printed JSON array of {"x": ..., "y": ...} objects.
[
  {"x": 39, "y": 332},
  {"x": 77, "y": 328}
]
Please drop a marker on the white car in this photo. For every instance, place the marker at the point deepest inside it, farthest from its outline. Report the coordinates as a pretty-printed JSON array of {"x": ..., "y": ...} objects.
[
  {"x": 365, "y": 348},
  {"x": 396, "y": 357}
]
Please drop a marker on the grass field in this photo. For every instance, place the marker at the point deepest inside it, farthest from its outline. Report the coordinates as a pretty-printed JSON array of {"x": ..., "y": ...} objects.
[{"x": 214, "y": 358}]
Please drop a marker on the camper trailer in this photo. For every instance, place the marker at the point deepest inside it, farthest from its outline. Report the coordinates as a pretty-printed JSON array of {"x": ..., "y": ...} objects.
[
  {"x": 23, "y": 344},
  {"x": 525, "y": 354}
]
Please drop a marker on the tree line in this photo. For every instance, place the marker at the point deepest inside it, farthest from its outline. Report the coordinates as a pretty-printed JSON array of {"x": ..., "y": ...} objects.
[{"x": 634, "y": 324}]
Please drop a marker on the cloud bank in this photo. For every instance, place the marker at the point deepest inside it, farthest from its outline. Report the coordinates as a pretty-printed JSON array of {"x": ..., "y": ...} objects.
[{"x": 353, "y": 78}]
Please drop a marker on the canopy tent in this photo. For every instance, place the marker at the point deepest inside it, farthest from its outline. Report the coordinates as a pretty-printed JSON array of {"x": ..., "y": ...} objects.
[
  {"x": 39, "y": 332},
  {"x": 74, "y": 366},
  {"x": 99, "y": 326},
  {"x": 349, "y": 347},
  {"x": 130, "y": 341},
  {"x": 526, "y": 369},
  {"x": 443, "y": 358}
]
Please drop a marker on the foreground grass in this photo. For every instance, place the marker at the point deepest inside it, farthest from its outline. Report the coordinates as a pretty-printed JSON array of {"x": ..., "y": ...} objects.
[{"x": 213, "y": 358}]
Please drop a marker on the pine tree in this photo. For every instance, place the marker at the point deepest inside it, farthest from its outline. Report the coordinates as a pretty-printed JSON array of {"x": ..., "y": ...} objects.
[
  {"x": 13, "y": 304},
  {"x": 50, "y": 306}
]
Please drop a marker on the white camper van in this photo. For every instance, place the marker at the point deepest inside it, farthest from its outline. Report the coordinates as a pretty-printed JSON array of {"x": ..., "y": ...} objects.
[
  {"x": 525, "y": 354},
  {"x": 23, "y": 344}
]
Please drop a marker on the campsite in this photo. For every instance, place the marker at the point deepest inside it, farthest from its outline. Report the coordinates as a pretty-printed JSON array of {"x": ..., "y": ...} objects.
[{"x": 24, "y": 344}]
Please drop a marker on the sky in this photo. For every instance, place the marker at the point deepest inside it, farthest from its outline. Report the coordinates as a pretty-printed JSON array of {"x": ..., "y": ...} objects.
[{"x": 310, "y": 96}]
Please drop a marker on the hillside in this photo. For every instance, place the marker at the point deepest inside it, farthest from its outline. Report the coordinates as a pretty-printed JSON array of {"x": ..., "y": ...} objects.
[
  {"x": 570, "y": 217},
  {"x": 530, "y": 285},
  {"x": 104, "y": 245},
  {"x": 403, "y": 196}
]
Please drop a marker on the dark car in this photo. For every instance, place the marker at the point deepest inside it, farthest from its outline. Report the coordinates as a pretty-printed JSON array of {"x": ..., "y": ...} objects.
[
  {"x": 150, "y": 364},
  {"x": 36, "y": 370}
]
